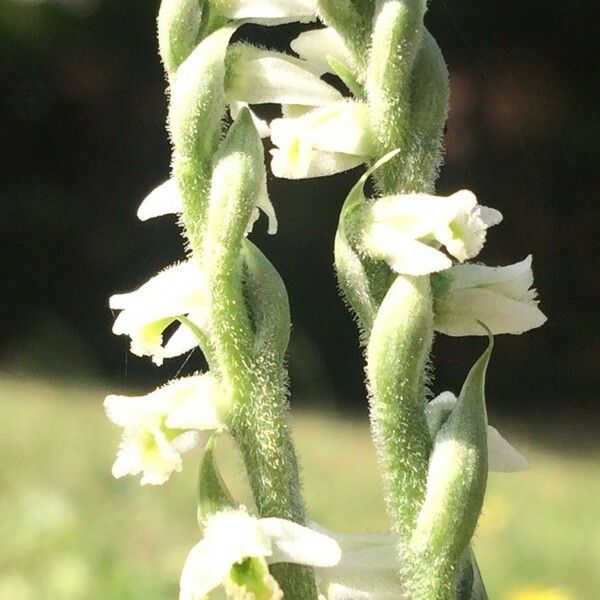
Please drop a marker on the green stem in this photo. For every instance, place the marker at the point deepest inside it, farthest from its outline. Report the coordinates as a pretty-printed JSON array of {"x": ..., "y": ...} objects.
[
  {"x": 254, "y": 378},
  {"x": 397, "y": 355}
]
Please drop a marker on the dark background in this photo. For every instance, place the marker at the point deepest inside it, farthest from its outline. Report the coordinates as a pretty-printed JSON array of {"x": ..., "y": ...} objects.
[{"x": 82, "y": 139}]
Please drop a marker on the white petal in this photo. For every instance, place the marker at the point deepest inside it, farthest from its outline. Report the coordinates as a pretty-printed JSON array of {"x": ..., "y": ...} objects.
[
  {"x": 264, "y": 203},
  {"x": 311, "y": 165},
  {"x": 188, "y": 441},
  {"x": 267, "y": 12},
  {"x": 513, "y": 280},
  {"x": 295, "y": 543},
  {"x": 163, "y": 200},
  {"x": 260, "y": 77},
  {"x": 197, "y": 401},
  {"x": 336, "y": 127},
  {"x": 413, "y": 215},
  {"x": 317, "y": 45},
  {"x": 201, "y": 572},
  {"x": 183, "y": 340},
  {"x": 502, "y": 456},
  {"x": 405, "y": 255},
  {"x": 500, "y": 314},
  {"x": 147, "y": 311},
  {"x": 123, "y": 410},
  {"x": 490, "y": 216}
]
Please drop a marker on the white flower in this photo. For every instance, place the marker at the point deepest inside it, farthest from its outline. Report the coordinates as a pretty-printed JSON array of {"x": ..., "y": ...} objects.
[
  {"x": 237, "y": 548},
  {"x": 317, "y": 45},
  {"x": 267, "y": 12},
  {"x": 502, "y": 457},
  {"x": 162, "y": 425},
  {"x": 500, "y": 297},
  {"x": 406, "y": 230},
  {"x": 324, "y": 141},
  {"x": 367, "y": 570},
  {"x": 179, "y": 290}
]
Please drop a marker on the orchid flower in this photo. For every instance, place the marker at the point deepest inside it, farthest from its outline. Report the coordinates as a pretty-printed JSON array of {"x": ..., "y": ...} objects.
[
  {"x": 179, "y": 290},
  {"x": 237, "y": 548},
  {"x": 162, "y": 425},
  {"x": 500, "y": 297},
  {"x": 408, "y": 230}
]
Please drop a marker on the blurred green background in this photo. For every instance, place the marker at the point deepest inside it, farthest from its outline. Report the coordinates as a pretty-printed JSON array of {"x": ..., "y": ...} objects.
[{"x": 82, "y": 111}]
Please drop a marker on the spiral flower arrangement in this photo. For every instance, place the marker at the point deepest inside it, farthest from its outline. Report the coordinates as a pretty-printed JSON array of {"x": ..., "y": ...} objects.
[{"x": 402, "y": 261}]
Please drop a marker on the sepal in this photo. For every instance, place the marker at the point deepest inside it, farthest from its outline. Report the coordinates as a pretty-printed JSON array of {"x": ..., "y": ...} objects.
[{"x": 456, "y": 480}]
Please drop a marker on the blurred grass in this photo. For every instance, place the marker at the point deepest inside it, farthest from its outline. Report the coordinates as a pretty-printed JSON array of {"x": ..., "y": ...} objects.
[{"x": 68, "y": 530}]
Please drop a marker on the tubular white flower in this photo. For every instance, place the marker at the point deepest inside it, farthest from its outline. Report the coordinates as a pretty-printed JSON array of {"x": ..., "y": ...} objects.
[
  {"x": 260, "y": 76},
  {"x": 406, "y": 230},
  {"x": 179, "y": 290},
  {"x": 237, "y": 548},
  {"x": 267, "y": 12},
  {"x": 317, "y": 45},
  {"x": 500, "y": 297},
  {"x": 502, "y": 457},
  {"x": 330, "y": 139},
  {"x": 162, "y": 425}
]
